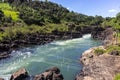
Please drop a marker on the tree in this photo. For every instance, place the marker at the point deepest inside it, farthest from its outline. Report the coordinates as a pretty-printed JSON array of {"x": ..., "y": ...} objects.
[
  {"x": 97, "y": 20},
  {"x": 118, "y": 16},
  {"x": 1, "y": 16}
]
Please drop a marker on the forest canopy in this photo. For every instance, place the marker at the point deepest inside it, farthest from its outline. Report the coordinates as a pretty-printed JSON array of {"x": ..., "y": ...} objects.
[{"x": 46, "y": 16}]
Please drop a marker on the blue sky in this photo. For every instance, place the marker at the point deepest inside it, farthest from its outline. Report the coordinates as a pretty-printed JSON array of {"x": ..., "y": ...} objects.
[{"x": 104, "y": 8}]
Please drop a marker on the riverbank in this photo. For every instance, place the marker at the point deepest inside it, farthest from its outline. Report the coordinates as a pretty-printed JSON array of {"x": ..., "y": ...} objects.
[
  {"x": 36, "y": 59},
  {"x": 101, "y": 63},
  {"x": 99, "y": 67},
  {"x": 7, "y": 46},
  {"x": 21, "y": 40},
  {"x": 64, "y": 46}
]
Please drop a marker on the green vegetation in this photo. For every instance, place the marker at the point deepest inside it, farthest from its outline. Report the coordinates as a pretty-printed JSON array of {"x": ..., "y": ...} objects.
[
  {"x": 13, "y": 14},
  {"x": 39, "y": 13},
  {"x": 9, "y": 12},
  {"x": 30, "y": 16},
  {"x": 117, "y": 77},
  {"x": 113, "y": 48},
  {"x": 12, "y": 32},
  {"x": 5, "y": 6},
  {"x": 99, "y": 51}
]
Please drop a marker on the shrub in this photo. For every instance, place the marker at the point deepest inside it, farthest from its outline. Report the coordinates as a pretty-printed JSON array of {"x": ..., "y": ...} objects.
[
  {"x": 13, "y": 14},
  {"x": 117, "y": 77},
  {"x": 99, "y": 51},
  {"x": 112, "y": 48},
  {"x": 9, "y": 12},
  {"x": 4, "y": 6}
]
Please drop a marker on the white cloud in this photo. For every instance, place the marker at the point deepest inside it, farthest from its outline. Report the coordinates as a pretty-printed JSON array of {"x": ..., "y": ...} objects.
[
  {"x": 68, "y": 8},
  {"x": 112, "y": 10}
]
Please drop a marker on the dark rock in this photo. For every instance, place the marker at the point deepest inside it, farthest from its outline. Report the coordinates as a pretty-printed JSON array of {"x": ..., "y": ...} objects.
[
  {"x": 86, "y": 29},
  {"x": 104, "y": 34},
  {"x": 39, "y": 77},
  {"x": 21, "y": 74},
  {"x": 35, "y": 39},
  {"x": 50, "y": 74},
  {"x": 4, "y": 47},
  {"x": 4, "y": 55},
  {"x": 54, "y": 70},
  {"x": 97, "y": 33},
  {"x": 115, "y": 52},
  {"x": 57, "y": 76}
]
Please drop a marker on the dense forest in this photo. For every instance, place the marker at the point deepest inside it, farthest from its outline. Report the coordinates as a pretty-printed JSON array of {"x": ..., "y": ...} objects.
[
  {"x": 27, "y": 22},
  {"x": 27, "y": 16}
]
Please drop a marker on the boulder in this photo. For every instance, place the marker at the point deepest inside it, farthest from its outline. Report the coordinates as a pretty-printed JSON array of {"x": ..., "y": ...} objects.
[
  {"x": 50, "y": 74},
  {"x": 39, "y": 77},
  {"x": 115, "y": 52},
  {"x": 1, "y": 79},
  {"x": 57, "y": 76},
  {"x": 54, "y": 70},
  {"x": 21, "y": 74}
]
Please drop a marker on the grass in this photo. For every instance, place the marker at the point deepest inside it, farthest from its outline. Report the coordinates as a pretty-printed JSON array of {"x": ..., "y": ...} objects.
[
  {"x": 99, "y": 51},
  {"x": 112, "y": 48},
  {"x": 9, "y": 12},
  {"x": 117, "y": 77}
]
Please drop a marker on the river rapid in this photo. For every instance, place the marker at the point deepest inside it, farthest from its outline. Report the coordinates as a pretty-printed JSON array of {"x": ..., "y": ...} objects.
[{"x": 64, "y": 54}]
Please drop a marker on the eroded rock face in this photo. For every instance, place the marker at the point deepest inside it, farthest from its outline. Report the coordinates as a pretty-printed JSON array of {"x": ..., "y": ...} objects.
[
  {"x": 104, "y": 34},
  {"x": 21, "y": 74},
  {"x": 102, "y": 67}
]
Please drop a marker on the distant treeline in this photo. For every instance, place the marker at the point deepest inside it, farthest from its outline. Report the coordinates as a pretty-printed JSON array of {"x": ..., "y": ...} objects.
[{"x": 46, "y": 16}]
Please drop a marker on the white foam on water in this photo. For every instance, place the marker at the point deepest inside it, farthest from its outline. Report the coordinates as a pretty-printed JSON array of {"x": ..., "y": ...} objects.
[
  {"x": 54, "y": 48},
  {"x": 68, "y": 42},
  {"x": 86, "y": 36},
  {"x": 37, "y": 60},
  {"x": 49, "y": 54}
]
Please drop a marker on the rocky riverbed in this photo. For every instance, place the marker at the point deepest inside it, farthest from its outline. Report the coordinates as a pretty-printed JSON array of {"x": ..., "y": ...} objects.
[{"x": 50, "y": 74}]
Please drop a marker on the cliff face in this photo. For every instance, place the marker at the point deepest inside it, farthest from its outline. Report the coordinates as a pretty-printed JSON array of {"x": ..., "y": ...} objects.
[
  {"x": 104, "y": 34},
  {"x": 102, "y": 67}
]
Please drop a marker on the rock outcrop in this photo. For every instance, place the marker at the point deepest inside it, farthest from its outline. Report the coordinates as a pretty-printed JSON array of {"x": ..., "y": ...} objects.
[
  {"x": 102, "y": 67},
  {"x": 50, "y": 74},
  {"x": 104, "y": 34},
  {"x": 21, "y": 74},
  {"x": 1, "y": 79}
]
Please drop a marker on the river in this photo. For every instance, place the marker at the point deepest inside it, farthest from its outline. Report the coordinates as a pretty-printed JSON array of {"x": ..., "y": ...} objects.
[{"x": 64, "y": 54}]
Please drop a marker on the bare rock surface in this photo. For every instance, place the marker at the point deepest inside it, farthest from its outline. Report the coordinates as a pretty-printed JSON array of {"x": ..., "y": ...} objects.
[{"x": 102, "y": 67}]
